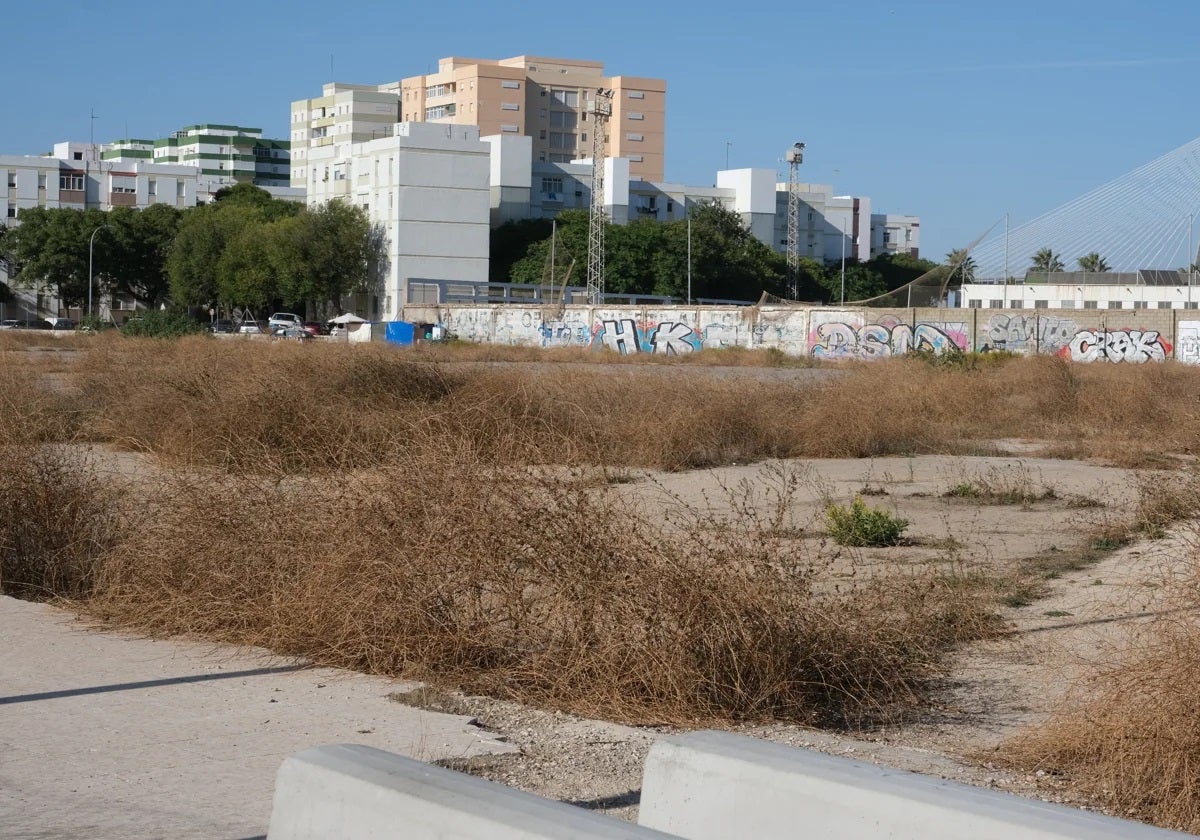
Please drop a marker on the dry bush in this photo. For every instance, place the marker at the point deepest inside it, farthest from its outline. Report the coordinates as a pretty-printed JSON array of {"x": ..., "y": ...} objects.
[
  {"x": 1133, "y": 746},
  {"x": 537, "y": 590},
  {"x": 1128, "y": 736},
  {"x": 57, "y": 518}
]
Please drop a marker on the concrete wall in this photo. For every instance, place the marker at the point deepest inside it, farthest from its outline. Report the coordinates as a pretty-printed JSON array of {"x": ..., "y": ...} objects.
[
  {"x": 1132, "y": 337},
  {"x": 715, "y": 785},
  {"x": 334, "y": 792}
]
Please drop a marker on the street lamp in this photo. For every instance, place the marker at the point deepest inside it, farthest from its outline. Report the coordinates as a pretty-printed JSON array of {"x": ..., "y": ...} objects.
[{"x": 91, "y": 276}]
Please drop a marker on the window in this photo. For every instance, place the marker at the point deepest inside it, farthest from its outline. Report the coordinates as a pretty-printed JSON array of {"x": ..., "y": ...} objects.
[
  {"x": 152, "y": 186},
  {"x": 511, "y": 129},
  {"x": 41, "y": 181},
  {"x": 440, "y": 111},
  {"x": 637, "y": 138},
  {"x": 70, "y": 182},
  {"x": 634, "y": 115},
  {"x": 1115, "y": 304},
  {"x": 77, "y": 156},
  {"x": 511, "y": 85},
  {"x": 552, "y": 185},
  {"x": 123, "y": 184},
  {"x": 636, "y": 94},
  {"x": 1014, "y": 304},
  {"x": 1139, "y": 304},
  {"x": 1041, "y": 304},
  {"x": 509, "y": 106},
  {"x": 636, "y": 158},
  {"x": 12, "y": 211},
  {"x": 180, "y": 188},
  {"x": 1091, "y": 304},
  {"x": 12, "y": 180},
  {"x": 670, "y": 206},
  {"x": 562, "y": 119},
  {"x": 583, "y": 137},
  {"x": 1191, "y": 304},
  {"x": 440, "y": 90},
  {"x": 1066, "y": 304},
  {"x": 542, "y": 113},
  {"x": 1164, "y": 304},
  {"x": 561, "y": 140},
  {"x": 570, "y": 98},
  {"x": 541, "y": 134},
  {"x": 995, "y": 304},
  {"x": 973, "y": 304}
]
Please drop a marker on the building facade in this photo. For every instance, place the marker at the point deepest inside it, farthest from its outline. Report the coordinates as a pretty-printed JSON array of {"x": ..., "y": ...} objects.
[
  {"x": 545, "y": 99},
  {"x": 1148, "y": 289},
  {"x": 239, "y": 154},
  {"x": 427, "y": 187}
]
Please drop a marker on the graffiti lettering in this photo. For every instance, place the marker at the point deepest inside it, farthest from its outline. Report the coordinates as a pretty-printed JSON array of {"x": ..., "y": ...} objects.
[
  {"x": 1133, "y": 346},
  {"x": 667, "y": 338},
  {"x": 873, "y": 341},
  {"x": 1029, "y": 333}
]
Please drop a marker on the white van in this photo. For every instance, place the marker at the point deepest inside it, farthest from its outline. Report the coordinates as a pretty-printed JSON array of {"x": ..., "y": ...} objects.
[{"x": 284, "y": 320}]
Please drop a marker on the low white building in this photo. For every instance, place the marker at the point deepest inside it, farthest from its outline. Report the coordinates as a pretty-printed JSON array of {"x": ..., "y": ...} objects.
[
  {"x": 1148, "y": 289},
  {"x": 428, "y": 186}
]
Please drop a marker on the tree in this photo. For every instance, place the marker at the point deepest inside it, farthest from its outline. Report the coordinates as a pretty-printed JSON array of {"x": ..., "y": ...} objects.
[
  {"x": 899, "y": 269},
  {"x": 510, "y": 242},
  {"x": 1093, "y": 263},
  {"x": 1046, "y": 261},
  {"x": 51, "y": 249},
  {"x": 962, "y": 265},
  {"x": 137, "y": 248},
  {"x": 325, "y": 252},
  {"x": 204, "y": 233},
  {"x": 248, "y": 195}
]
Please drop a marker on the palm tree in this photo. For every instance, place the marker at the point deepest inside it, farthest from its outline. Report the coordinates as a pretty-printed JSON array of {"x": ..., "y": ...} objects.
[
  {"x": 1093, "y": 263},
  {"x": 1046, "y": 261},
  {"x": 962, "y": 264}
]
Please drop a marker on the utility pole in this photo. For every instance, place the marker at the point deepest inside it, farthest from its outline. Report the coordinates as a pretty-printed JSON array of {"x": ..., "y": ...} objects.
[
  {"x": 689, "y": 259},
  {"x": 843, "y": 262},
  {"x": 601, "y": 110},
  {"x": 795, "y": 157},
  {"x": 1006, "y": 261}
]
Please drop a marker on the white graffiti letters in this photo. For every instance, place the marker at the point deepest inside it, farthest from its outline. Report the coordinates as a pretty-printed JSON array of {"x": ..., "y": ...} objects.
[{"x": 1134, "y": 346}]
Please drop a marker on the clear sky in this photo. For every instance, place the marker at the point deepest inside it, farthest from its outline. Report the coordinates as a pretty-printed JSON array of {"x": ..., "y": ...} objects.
[{"x": 955, "y": 110}]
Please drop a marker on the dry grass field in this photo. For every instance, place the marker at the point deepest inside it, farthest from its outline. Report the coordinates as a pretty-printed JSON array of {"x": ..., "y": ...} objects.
[{"x": 647, "y": 543}]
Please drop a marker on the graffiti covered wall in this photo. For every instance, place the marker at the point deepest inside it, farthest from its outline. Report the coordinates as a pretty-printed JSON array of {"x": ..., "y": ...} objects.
[{"x": 1120, "y": 337}]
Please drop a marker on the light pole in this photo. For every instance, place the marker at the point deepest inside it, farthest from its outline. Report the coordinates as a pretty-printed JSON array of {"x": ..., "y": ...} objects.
[
  {"x": 689, "y": 259},
  {"x": 91, "y": 242},
  {"x": 843, "y": 262}
]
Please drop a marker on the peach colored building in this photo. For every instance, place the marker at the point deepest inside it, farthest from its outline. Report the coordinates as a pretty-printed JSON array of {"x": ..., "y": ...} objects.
[{"x": 545, "y": 99}]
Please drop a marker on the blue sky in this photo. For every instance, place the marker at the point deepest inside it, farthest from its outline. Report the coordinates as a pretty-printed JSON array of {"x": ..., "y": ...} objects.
[{"x": 955, "y": 111}]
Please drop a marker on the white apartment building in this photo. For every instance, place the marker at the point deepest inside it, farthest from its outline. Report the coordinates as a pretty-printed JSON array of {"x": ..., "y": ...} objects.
[
  {"x": 241, "y": 155},
  {"x": 830, "y": 226},
  {"x": 427, "y": 185}
]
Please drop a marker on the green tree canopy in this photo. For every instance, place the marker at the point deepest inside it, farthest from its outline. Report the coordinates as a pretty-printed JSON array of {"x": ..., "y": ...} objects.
[
  {"x": 136, "y": 252},
  {"x": 50, "y": 248},
  {"x": 1045, "y": 260},
  {"x": 1092, "y": 262}
]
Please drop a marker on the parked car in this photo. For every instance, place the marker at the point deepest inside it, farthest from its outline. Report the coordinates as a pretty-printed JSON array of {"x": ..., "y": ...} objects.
[
  {"x": 249, "y": 328},
  {"x": 9, "y": 324},
  {"x": 291, "y": 333},
  {"x": 284, "y": 319},
  {"x": 223, "y": 325},
  {"x": 35, "y": 324},
  {"x": 61, "y": 323},
  {"x": 316, "y": 328}
]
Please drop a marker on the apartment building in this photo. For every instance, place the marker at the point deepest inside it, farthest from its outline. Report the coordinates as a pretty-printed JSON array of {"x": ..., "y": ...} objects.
[
  {"x": 426, "y": 186},
  {"x": 545, "y": 99},
  {"x": 239, "y": 154}
]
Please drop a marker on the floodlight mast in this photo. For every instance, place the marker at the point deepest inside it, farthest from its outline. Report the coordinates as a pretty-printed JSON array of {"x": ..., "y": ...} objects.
[
  {"x": 794, "y": 157},
  {"x": 601, "y": 109}
]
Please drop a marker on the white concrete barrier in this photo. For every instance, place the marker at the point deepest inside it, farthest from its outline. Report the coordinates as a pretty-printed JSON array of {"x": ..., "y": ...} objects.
[
  {"x": 718, "y": 785},
  {"x": 350, "y": 791}
]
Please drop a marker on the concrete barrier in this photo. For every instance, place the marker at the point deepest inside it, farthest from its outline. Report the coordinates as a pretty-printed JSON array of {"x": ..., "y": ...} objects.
[
  {"x": 717, "y": 785},
  {"x": 355, "y": 791}
]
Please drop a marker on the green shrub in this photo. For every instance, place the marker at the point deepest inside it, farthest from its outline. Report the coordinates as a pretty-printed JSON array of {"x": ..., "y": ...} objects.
[
  {"x": 859, "y": 525},
  {"x": 156, "y": 323}
]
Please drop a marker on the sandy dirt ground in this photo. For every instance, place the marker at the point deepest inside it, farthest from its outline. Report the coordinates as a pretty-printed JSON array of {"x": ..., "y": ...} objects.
[{"x": 135, "y": 762}]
